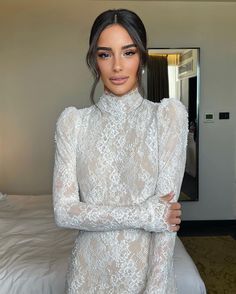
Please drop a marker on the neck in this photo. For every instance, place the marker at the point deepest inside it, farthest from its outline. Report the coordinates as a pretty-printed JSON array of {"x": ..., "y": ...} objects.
[
  {"x": 110, "y": 93},
  {"x": 120, "y": 105}
]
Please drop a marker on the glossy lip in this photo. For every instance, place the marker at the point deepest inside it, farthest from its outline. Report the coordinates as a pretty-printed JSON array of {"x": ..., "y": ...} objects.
[{"x": 119, "y": 80}]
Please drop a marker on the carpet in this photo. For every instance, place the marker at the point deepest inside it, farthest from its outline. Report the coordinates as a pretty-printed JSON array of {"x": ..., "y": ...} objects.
[{"x": 215, "y": 258}]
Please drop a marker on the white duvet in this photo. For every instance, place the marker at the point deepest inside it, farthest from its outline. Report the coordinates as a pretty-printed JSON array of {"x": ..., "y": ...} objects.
[{"x": 34, "y": 252}]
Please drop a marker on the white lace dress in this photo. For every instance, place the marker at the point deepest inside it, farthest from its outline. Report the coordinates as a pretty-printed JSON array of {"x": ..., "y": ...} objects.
[{"x": 113, "y": 162}]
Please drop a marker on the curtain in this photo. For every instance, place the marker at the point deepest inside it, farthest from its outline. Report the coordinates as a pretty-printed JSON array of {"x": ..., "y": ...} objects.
[{"x": 157, "y": 78}]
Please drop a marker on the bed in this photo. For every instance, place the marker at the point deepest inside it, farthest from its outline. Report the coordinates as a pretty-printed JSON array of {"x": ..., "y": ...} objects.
[{"x": 34, "y": 251}]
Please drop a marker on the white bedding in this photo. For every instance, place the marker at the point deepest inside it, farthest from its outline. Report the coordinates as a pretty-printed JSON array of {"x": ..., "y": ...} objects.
[{"x": 34, "y": 252}]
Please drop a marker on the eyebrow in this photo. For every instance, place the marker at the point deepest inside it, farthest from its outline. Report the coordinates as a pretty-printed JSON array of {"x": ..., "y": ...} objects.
[{"x": 110, "y": 49}]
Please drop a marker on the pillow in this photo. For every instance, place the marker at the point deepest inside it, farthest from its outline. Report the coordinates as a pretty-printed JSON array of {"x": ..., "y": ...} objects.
[{"x": 3, "y": 196}]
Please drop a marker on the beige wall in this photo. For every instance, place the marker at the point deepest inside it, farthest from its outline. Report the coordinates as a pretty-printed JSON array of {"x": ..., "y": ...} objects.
[
  {"x": 42, "y": 70},
  {"x": 1, "y": 141}
]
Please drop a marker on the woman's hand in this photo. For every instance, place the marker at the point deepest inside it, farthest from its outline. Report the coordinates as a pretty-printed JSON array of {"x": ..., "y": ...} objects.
[
  {"x": 161, "y": 214},
  {"x": 174, "y": 212}
]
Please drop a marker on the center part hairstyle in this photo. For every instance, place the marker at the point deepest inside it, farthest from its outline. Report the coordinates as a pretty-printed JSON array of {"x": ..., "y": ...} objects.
[{"x": 133, "y": 25}]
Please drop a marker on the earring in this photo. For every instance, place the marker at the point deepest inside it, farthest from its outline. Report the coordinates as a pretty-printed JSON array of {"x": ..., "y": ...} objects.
[{"x": 143, "y": 71}]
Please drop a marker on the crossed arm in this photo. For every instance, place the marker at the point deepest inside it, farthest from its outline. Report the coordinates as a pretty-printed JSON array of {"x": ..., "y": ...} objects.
[{"x": 70, "y": 212}]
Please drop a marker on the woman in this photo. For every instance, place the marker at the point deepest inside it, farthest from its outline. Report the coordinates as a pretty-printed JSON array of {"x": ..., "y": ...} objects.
[{"x": 114, "y": 161}]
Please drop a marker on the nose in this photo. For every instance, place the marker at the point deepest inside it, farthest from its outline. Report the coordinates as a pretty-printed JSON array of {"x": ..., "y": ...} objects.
[{"x": 117, "y": 65}]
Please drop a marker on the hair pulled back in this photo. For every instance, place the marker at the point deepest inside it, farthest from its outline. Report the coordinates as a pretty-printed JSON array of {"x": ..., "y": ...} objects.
[{"x": 134, "y": 26}]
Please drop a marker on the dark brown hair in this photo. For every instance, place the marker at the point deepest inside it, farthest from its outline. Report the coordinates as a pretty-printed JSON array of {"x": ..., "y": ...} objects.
[{"x": 134, "y": 26}]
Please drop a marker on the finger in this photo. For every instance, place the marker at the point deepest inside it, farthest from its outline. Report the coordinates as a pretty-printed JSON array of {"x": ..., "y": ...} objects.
[
  {"x": 173, "y": 218},
  {"x": 174, "y": 213},
  {"x": 171, "y": 194},
  {"x": 174, "y": 221},
  {"x": 174, "y": 228},
  {"x": 171, "y": 213},
  {"x": 175, "y": 206},
  {"x": 168, "y": 197}
]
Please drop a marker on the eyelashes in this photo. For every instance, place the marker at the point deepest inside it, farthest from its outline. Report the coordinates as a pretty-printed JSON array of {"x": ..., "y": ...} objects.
[
  {"x": 103, "y": 55},
  {"x": 106, "y": 55},
  {"x": 130, "y": 53}
]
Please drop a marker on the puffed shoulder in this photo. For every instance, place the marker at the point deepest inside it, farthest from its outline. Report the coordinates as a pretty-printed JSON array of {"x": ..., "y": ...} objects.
[
  {"x": 172, "y": 109},
  {"x": 67, "y": 115},
  {"x": 66, "y": 122},
  {"x": 172, "y": 106}
]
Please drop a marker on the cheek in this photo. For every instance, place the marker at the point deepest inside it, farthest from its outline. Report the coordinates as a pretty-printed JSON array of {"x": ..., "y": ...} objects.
[
  {"x": 134, "y": 65},
  {"x": 102, "y": 68}
]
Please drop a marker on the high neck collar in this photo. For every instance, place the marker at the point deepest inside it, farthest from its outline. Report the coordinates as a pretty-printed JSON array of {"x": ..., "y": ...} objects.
[{"x": 120, "y": 105}]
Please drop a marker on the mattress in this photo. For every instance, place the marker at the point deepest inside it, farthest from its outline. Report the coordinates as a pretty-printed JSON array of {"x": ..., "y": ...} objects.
[{"x": 34, "y": 252}]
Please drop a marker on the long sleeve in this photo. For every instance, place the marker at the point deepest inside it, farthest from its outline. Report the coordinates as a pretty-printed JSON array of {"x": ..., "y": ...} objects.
[
  {"x": 172, "y": 134},
  {"x": 70, "y": 212}
]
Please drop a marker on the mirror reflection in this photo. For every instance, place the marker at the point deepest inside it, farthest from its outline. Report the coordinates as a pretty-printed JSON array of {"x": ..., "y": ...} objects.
[{"x": 175, "y": 73}]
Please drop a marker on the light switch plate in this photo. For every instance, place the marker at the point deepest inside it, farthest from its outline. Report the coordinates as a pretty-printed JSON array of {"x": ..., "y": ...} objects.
[{"x": 209, "y": 117}]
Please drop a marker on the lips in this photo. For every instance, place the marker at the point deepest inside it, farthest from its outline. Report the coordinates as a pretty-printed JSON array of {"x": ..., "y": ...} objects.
[{"x": 119, "y": 80}]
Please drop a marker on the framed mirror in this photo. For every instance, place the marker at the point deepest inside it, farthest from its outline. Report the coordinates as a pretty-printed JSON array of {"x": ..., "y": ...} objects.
[{"x": 175, "y": 72}]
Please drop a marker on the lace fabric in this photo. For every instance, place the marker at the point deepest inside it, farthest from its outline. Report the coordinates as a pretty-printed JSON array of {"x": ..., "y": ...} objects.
[{"x": 113, "y": 162}]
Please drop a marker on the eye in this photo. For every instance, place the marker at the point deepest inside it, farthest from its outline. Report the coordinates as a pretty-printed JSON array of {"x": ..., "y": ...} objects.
[
  {"x": 103, "y": 55},
  {"x": 130, "y": 52}
]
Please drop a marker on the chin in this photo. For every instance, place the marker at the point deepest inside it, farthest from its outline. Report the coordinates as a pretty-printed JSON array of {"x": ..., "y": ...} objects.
[{"x": 120, "y": 91}]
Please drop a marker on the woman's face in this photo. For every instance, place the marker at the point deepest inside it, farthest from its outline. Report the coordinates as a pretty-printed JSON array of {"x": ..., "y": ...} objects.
[{"x": 118, "y": 60}]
